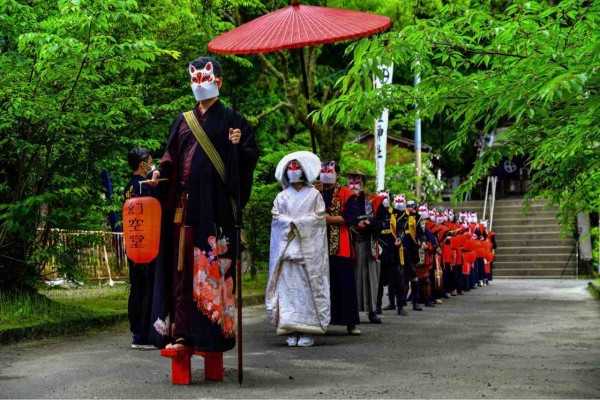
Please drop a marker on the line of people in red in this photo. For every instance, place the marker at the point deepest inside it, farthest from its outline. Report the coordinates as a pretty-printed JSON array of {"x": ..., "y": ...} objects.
[{"x": 421, "y": 255}]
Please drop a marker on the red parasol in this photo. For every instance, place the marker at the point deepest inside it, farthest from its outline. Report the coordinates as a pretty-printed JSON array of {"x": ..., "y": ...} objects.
[{"x": 298, "y": 26}]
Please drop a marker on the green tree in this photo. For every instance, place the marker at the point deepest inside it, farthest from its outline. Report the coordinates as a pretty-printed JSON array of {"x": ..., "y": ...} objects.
[
  {"x": 68, "y": 93},
  {"x": 533, "y": 68},
  {"x": 399, "y": 173}
]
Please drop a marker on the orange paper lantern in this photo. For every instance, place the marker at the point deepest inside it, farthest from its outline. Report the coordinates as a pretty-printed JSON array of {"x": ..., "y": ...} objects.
[{"x": 141, "y": 228}]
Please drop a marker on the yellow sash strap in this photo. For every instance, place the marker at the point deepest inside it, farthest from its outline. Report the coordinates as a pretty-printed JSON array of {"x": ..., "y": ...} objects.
[
  {"x": 393, "y": 224},
  {"x": 412, "y": 227}
]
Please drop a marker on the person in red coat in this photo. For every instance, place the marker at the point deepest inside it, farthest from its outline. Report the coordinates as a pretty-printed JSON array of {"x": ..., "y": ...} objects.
[{"x": 342, "y": 210}]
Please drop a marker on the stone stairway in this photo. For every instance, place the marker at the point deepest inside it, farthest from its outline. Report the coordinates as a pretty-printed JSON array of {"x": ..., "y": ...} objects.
[{"x": 530, "y": 245}]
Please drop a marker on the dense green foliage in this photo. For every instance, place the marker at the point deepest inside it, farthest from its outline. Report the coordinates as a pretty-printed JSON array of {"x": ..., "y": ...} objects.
[
  {"x": 83, "y": 81},
  {"x": 69, "y": 91},
  {"x": 533, "y": 69}
]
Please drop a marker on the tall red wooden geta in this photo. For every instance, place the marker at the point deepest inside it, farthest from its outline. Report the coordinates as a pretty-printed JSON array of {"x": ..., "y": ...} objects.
[{"x": 181, "y": 364}]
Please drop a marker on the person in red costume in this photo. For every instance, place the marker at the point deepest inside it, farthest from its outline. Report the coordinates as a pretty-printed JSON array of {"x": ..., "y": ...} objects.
[{"x": 342, "y": 210}]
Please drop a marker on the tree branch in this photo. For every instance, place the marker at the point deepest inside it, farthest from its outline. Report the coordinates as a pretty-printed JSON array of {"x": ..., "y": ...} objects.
[
  {"x": 272, "y": 68},
  {"x": 87, "y": 47},
  {"x": 573, "y": 26},
  {"x": 273, "y": 109},
  {"x": 32, "y": 68},
  {"x": 491, "y": 53}
]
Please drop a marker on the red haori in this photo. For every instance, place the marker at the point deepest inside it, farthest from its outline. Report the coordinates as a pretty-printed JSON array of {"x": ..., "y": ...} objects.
[
  {"x": 141, "y": 228},
  {"x": 469, "y": 257},
  {"x": 472, "y": 244},
  {"x": 481, "y": 252}
]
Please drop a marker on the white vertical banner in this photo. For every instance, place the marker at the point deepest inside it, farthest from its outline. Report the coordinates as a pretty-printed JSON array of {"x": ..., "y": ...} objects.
[{"x": 381, "y": 125}]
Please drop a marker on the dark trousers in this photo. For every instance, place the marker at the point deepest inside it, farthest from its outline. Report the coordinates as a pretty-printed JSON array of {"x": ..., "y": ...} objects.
[
  {"x": 480, "y": 269},
  {"x": 457, "y": 273},
  {"x": 448, "y": 279},
  {"x": 344, "y": 297},
  {"x": 390, "y": 276},
  {"x": 466, "y": 281},
  {"x": 141, "y": 279},
  {"x": 473, "y": 277}
]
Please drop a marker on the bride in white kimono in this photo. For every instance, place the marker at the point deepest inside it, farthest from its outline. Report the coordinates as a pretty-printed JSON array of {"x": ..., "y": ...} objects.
[{"x": 297, "y": 298}]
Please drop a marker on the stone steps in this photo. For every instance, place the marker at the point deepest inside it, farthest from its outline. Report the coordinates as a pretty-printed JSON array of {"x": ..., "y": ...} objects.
[
  {"x": 520, "y": 221},
  {"x": 527, "y": 250},
  {"x": 510, "y": 241},
  {"x": 530, "y": 244},
  {"x": 547, "y": 235},
  {"x": 509, "y": 256},
  {"x": 534, "y": 228},
  {"x": 529, "y": 272},
  {"x": 567, "y": 276}
]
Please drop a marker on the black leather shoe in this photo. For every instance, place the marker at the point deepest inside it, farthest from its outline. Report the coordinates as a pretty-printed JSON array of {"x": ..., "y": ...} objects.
[
  {"x": 402, "y": 311},
  {"x": 375, "y": 320},
  {"x": 417, "y": 308},
  {"x": 378, "y": 311},
  {"x": 429, "y": 304},
  {"x": 389, "y": 307}
]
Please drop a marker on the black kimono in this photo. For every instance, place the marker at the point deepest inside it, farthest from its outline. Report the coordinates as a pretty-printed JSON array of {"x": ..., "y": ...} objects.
[
  {"x": 203, "y": 304},
  {"x": 141, "y": 280}
]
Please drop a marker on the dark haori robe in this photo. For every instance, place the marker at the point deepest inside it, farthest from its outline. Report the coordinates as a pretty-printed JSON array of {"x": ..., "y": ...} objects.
[
  {"x": 411, "y": 233},
  {"x": 387, "y": 239},
  {"x": 391, "y": 272},
  {"x": 341, "y": 201},
  {"x": 203, "y": 303}
]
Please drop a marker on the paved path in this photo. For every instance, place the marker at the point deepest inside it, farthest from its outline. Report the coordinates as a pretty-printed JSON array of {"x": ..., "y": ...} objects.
[{"x": 514, "y": 339}]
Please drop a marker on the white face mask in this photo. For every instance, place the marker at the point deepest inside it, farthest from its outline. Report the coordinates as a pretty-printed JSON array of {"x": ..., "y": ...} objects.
[
  {"x": 400, "y": 202},
  {"x": 204, "y": 83},
  {"x": 148, "y": 168},
  {"x": 355, "y": 183},
  {"x": 295, "y": 176},
  {"x": 328, "y": 175},
  {"x": 400, "y": 206}
]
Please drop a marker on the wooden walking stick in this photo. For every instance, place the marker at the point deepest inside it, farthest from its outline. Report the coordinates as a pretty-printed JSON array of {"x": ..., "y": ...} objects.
[
  {"x": 237, "y": 209},
  {"x": 239, "y": 224}
]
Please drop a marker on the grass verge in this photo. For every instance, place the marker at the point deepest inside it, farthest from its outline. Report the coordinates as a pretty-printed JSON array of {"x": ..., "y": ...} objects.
[
  {"x": 67, "y": 312},
  {"x": 594, "y": 288},
  {"x": 58, "y": 312}
]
